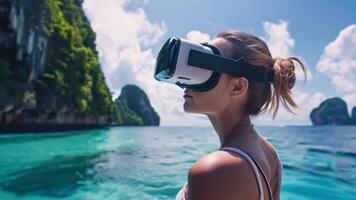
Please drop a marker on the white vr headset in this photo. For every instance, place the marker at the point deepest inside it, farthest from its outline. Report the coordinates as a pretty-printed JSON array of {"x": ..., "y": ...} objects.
[{"x": 198, "y": 66}]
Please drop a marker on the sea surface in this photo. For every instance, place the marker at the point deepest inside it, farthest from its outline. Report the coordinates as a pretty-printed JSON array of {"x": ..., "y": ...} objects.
[{"x": 152, "y": 162}]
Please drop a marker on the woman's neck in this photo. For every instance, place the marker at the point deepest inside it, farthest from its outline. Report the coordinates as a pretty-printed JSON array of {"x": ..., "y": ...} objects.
[{"x": 228, "y": 125}]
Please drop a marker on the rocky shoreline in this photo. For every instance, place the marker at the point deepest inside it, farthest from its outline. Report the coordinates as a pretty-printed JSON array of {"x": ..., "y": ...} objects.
[
  {"x": 50, "y": 128},
  {"x": 41, "y": 128}
]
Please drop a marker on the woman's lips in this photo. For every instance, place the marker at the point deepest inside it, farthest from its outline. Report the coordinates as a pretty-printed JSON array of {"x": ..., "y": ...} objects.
[{"x": 187, "y": 94}]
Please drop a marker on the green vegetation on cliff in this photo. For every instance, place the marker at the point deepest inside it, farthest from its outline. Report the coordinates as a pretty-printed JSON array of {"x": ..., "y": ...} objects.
[
  {"x": 125, "y": 115},
  {"x": 74, "y": 75}
]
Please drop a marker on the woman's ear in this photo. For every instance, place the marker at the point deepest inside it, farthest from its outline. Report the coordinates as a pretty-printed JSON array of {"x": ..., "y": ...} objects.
[{"x": 239, "y": 86}]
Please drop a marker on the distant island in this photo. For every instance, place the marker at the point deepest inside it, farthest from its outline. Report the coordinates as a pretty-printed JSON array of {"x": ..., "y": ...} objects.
[
  {"x": 134, "y": 108},
  {"x": 50, "y": 74},
  {"x": 333, "y": 111}
]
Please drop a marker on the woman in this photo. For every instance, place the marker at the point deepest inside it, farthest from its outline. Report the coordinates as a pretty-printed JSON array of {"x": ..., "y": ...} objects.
[{"x": 246, "y": 166}]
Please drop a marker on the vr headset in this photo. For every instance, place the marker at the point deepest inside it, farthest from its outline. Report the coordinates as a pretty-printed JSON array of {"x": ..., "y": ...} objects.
[{"x": 198, "y": 66}]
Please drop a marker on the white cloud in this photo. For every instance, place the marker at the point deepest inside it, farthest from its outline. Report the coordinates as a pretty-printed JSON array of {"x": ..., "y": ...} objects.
[
  {"x": 278, "y": 38},
  {"x": 280, "y": 43},
  {"x": 123, "y": 41},
  {"x": 197, "y": 36},
  {"x": 306, "y": 102},
  {"x": 339, "y": 63}
]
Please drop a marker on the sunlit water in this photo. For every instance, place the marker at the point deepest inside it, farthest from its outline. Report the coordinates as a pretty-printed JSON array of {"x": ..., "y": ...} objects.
[{"x": 152, "y": 162}]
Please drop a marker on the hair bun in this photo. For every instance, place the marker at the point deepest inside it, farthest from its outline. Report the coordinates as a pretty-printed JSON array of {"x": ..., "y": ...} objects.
[{"x": 284, "y": 71}]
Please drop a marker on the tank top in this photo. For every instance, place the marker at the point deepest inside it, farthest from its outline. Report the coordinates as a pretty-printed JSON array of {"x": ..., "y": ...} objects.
[{"x": 255, "y": 166}]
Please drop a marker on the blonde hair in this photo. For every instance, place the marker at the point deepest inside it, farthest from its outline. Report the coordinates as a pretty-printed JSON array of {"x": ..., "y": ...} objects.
[{"x": 261, "y": 96}]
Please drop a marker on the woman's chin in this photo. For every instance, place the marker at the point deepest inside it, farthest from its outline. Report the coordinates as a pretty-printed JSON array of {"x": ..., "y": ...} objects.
[{"x": 187, "y": 107}]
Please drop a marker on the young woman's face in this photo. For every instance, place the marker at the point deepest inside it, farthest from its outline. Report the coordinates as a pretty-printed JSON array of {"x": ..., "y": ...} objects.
[
  {"x": 210, "y": 101},
  {"x": 213, "y": 100}
]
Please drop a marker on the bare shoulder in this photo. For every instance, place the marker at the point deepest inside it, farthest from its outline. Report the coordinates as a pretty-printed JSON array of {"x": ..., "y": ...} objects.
[
  {"x": 221, "y": 175},
  {"x": 275, "y": 161},
  {"x": 215, "y": 161},
  {"x": 270, "y": 148}
]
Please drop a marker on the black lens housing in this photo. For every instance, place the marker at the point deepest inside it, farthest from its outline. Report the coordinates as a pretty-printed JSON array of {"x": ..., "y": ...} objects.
[{"x": 166, "y": 61}]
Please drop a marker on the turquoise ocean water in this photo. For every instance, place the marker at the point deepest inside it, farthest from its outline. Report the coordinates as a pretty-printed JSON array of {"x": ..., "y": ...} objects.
[{"x": 152, "y": 162}]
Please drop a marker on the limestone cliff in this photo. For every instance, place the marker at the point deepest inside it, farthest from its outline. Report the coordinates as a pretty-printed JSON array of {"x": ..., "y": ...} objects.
[
  {"x": 49, "y": 69},
  {"x": 134, "y": 107},
  {"x": 332, "y": 111}
]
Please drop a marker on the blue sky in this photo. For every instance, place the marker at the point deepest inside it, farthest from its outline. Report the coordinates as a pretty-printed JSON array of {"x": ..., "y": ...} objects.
[
  {"x": 313, "y": 24},
  {"x": 130, "y": 33}
]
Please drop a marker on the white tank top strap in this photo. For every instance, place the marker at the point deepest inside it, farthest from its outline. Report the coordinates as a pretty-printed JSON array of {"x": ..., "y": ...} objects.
[
  {"x": 180, "y": 195},
  {"x": 255, "y": 166}
]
